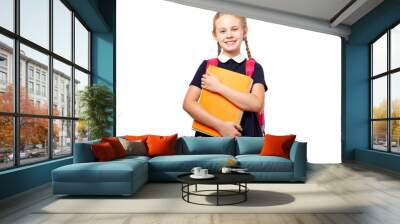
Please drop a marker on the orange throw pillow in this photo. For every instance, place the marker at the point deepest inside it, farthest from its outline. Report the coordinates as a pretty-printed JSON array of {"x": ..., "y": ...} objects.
[
  {"x": 161, "y": 145},
  {"x": 135, "y": 138},
  {"x": 277, "y": 145},
  {"x": 116, "y": 145},
  {"x": 103, "y": 151}
]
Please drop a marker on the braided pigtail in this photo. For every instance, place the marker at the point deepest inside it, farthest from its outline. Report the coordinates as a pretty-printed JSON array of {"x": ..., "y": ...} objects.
[
  {"x": 219, "y": 48},
  {"x": 247, "y": 48}
]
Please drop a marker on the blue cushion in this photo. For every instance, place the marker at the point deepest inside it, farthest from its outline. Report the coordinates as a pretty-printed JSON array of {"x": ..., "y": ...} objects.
[
  {"x": 111, "y": 171},
  {"x": 133, "y": 157},
  {"x": 83, "y": 153},
  {"x": 257, "y": 163},
  {"x": 249, "y": 145},
  {"x": 205, "y": 145},
  {"x": 185, "y": 163}
]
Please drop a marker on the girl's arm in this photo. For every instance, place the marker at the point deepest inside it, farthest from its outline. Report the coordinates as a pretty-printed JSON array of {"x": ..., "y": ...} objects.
[
  {"x": 197, "y": 112},
  {"x": 253, "y": 101}
]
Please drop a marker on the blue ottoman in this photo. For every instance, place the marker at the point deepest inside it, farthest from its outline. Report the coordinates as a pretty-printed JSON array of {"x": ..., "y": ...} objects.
[{"x": 118, "y": 177}]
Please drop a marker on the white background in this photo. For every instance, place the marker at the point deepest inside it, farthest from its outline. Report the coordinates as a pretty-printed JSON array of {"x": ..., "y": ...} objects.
[{"x": 161, "y": 44}]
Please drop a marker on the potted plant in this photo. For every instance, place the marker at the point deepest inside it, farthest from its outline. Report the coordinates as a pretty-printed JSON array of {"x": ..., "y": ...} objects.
[{"x": 97, "y": 106}]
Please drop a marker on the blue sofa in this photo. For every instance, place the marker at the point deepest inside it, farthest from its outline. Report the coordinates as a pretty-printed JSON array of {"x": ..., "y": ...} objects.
[{"x": 125, "y": 176}]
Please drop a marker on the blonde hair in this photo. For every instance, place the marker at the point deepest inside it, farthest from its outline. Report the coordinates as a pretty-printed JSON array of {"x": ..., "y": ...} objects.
[{"x": 244, "y": 26}]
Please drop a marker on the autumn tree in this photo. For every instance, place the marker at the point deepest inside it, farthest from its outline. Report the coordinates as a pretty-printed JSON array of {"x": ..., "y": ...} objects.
[
  {"x": 380, "y": 127},
  {"x": 33, "y": 131}
]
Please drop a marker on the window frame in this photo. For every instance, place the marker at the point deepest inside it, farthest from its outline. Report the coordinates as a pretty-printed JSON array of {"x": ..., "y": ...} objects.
[
  {"x": 388, "y": 74},
  {"x": 15, "y": 72}
]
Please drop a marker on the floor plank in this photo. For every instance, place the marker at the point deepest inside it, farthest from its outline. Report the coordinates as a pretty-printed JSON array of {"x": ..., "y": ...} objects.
[{"x": 377, "y": 190}]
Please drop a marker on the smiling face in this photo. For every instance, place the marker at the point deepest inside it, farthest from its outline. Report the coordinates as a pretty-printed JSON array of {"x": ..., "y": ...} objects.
[{"x": 229, "y": 32}]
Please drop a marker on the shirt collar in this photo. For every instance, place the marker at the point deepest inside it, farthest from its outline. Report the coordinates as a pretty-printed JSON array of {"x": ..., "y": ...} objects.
[{"x": 238, "y": 58}]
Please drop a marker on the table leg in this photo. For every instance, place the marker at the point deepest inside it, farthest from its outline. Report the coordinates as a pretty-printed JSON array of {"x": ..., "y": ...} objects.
[
  {"x": 217, "y": 194},
  {"x": 188, "y": 190},
  {"x": 245, "y": 191}
]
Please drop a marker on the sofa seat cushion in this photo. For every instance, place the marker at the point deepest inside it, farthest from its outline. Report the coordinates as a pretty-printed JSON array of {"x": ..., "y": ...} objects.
[
  {"x": 185, "y": 163},
  {"x": 189, "y": 145},
  {"x": 111, "y": 171},
  {"x": 257, "y": 163},
  {"x": 133, "y": 158}
]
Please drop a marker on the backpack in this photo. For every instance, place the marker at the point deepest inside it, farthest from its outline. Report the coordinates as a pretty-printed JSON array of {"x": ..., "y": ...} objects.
[{"x": 249, "y": 67}]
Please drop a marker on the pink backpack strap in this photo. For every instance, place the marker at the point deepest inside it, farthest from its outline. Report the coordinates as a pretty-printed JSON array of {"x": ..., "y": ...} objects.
[
  {"x": 212, "y": 61},
  {"x": 250, "y": 63}
]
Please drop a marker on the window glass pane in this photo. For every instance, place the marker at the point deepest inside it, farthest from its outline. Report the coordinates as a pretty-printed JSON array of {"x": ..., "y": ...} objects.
[
  {"x": 35, "y": 21},
  {"x": 62, "y": 89},
  {"x": 395, "y": 47},
  {"x": 33, "y": 139},
  {"x": 6, "y": 74},
  {"x": 379, "y": 55},
  {"x": 379, "y": 135},
  {"x": 62, "y": 137},
  {"x": 62, "y": 29},
  {"x": 395, "y": 94},
  {"x": 379, "y": 98},
  {"x": 34, "y": 81},
  {"x": 7, "y": 14},
  {"x": 81, "y": 81},
  {"x": 395, "y": 136},
  {"x": 6, "y": 142},
  {"x": 81, "y": 131},
  {"x": 81, "y": 45}
]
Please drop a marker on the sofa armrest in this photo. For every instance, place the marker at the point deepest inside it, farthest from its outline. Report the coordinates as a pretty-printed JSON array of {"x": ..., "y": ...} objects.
[
  {"x": 83, "y": 152},
  {"x": 298, "y": 155}
]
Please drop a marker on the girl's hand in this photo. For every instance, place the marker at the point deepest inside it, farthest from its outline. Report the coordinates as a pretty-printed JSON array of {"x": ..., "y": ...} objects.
[
  {"x": 229, "y": 129},
  {"x": 210, "y": 82}
]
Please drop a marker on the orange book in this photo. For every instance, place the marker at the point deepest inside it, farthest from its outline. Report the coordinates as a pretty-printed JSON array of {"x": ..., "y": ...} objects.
[{"x": 218, "y": 105}]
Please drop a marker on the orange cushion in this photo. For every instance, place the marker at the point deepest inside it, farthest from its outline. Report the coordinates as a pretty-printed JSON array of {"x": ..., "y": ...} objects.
[
  {"x": 277, "y": 145},
  {"x": 103, "y": 152},
  {"x": 161, "y": 145},
  {"x": 116, "y": 145},
  {"x": 135, "y": 138}
]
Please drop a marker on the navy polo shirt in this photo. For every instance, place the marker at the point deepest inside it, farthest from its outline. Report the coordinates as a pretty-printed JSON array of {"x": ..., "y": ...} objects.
[{"x": 249, "y": 121}]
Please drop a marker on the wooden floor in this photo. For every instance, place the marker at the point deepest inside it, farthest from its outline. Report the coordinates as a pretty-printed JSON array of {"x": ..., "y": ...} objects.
[{"x": 353, "y": 182}]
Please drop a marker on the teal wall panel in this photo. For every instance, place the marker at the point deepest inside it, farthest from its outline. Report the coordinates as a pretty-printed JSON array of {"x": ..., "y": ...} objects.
[
  {"x": 24, "y": 178},
  {"x": 357, "y": 97},
  {"x": 99, "y": 16}
]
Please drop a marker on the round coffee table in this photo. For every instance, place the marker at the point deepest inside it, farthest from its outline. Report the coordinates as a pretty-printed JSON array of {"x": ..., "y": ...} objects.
[{"x": 239, "y": 179}]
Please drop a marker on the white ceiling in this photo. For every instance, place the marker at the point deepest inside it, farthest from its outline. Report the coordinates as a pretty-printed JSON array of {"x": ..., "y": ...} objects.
[{"x": 316, "y": 15}]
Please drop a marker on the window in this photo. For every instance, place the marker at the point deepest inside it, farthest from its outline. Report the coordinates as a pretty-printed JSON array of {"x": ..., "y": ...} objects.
[
  {"x": 6, "y": 73},
  {"x": 30, "y": 72},
  {"x": 34, "y": 21},
  {"x": 62, "y": 75},
  {"x": 7, "y": 14},
  {"x": 385, "y": 92},
  {"x": 3, "y": 72},
  {"x": 37, "y": 89},
  {"x": 62, "y": 29},
  {"x": 62, "y": 137},
  {"x": 37, "y": 75},
  {"x": 43, "y": 90},
  {"x": 6, "y": 142},
  {"x": 81, "y": 45},
  {"x": 30, "y": 87},
  {"x": 3, "y": 61},
  {"x": 52, "y": 134},
  {"x": 3, "y": 78}
]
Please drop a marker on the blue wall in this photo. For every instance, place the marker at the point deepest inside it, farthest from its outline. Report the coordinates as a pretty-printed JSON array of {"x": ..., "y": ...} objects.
[
  {"x": 24, "y": 178},
  {"x": 99, "y": 15},
  {"x": 356, "y": 67}
]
